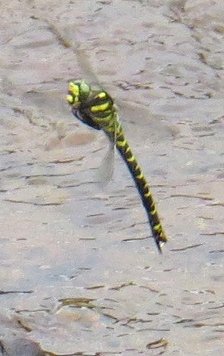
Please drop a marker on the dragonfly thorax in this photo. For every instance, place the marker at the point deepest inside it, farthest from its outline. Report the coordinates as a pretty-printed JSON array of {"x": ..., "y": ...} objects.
[{"x": 94, "y": 107}]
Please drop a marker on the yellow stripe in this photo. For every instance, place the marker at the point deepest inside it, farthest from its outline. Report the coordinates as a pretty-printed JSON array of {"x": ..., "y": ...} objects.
[
  {"x": 101, "y": 95},
  {"x": 131, "y": 159},
  {"x": 104, "y": 120},
  {"x": 109, "y": 129},
  {"x": 153, "y": 212},
  {"x": 140, "y": 176},
  {"x": 101, "y": 107},
  {"x": 147, "y": 195},
  {"x": 157, "y": 227},
  {"x": 121, "y": 143},
  {"x": 128, "y": 150}
]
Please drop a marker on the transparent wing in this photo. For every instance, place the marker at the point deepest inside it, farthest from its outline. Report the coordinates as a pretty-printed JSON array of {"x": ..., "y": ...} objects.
[
  {"x": 106, "y": 169},
  {"x": 105, "y": 172},
  {"x": 141, "y": 125},
  {"x": 86, "y": 66}
]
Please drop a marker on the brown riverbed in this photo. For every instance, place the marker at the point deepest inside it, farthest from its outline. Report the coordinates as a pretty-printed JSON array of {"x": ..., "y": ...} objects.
[{"x": 78, "y": 273}]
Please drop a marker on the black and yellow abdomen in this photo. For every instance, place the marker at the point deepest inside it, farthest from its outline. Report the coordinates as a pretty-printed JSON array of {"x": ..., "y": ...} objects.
[{"x": 143, "y": 188}]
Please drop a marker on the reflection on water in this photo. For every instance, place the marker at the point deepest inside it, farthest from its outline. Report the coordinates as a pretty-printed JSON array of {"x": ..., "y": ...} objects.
[{"x": 79, "y": 273}]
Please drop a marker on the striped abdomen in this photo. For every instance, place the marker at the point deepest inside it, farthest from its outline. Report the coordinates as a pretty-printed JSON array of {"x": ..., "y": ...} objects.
[
  {"x": 142, "y": 186},
  {"x": 104, "y": 115}
]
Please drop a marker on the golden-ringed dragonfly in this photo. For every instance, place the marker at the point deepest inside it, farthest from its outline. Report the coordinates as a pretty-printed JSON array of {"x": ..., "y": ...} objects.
[{"x": 96, "y": 108}]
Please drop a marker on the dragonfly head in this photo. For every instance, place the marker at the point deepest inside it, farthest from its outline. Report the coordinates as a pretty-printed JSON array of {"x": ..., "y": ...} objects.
[{"x": 78, "y": 91}]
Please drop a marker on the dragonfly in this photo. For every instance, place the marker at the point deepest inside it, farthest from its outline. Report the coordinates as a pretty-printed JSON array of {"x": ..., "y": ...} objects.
[{"x": 95, "y": 107}]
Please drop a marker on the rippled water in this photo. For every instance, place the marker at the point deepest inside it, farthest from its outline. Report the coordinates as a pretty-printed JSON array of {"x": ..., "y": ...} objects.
[{"x": 79, "y": 275}]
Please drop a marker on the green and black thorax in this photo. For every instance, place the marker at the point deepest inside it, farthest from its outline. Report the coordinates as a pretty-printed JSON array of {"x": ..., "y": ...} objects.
[{"x": 93, "y": 107}]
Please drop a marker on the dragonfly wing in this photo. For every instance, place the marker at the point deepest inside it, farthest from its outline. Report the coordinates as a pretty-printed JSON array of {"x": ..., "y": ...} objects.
[
  {"x": 85, "y": 65},
  {"x": 137, "y": 118},
  {"x": 106, "y": 169}
]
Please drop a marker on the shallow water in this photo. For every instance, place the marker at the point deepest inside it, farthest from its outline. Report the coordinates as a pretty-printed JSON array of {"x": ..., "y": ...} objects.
[{"x": 79, "y": 274}]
